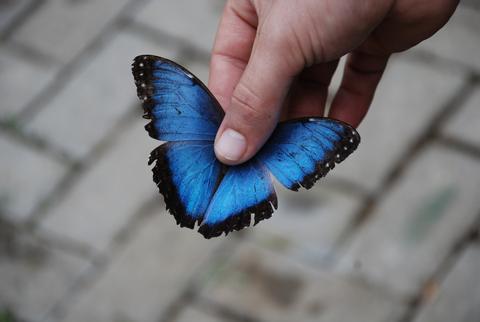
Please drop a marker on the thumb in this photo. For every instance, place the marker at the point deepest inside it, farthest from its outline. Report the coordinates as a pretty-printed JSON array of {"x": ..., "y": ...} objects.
[{"x": 255, "y": 106}]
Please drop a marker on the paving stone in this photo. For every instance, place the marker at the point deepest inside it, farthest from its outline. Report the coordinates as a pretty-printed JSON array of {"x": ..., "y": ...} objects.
[
  {"x": 192, "y": 314},
  {"x": 27, "y": 177},
  {"x": 9, "y": 11},
  {"x": 104, "y": 198},
  {"x": 93, "y": 102},
  {"x": 63, "y": 28},
  {"x": 307, "y": 223},
  {"x": 474, "y": 4},
  {"x": 415, "y": 226},
  {"x": 407, "y": 98},
  {"x": 20, "y": 81},
  {"x": 147, "y": 276},
  {"x": 458, "y": 297},
  {"x": 192, "y": 21},
  {"x": 464, "y": 124},
  {"x": 33, "y": 278},
  {"x": 269, "y": 287},
  {"x": 458, "y": 40}
]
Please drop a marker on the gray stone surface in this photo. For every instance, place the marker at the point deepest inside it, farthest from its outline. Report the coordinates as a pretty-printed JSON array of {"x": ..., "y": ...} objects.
[
  {"x": 192, "y": 314},
  {"x": 32, "y": 277},
  {"x": 27, "y": 177},
  {"x": 16, "y": 89},
  {"x": 458, "y": 40},
  {"x": 407, "y": 98},
  {"x": 413, "y": 229},
  {"x": 103, "y": 200},
  {"x": 61, "y": 28},
  {"x": 307, "y": 223},
  {"x": 272, "y": 288},
  {"x": 192, "y": 21},
  {"x": 147, "y": 276},
  {"x": 288, "y": 268},
  {"x": 10, "y": 10},
  {"x": 94, "y": 101},
  {"x": 464, "y": 124},
  {"x": 474, "y": 4},
  {"x": 459, "y": 295}
]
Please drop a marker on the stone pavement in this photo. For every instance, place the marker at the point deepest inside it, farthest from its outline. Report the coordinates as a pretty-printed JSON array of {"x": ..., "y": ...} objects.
[{"x": 391, "y": 235}]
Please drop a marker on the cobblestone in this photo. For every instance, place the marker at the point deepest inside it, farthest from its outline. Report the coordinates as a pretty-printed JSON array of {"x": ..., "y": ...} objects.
[
  {"x": 400, "y": 112},
  {"x": 193, "y": 314},
  {"x": 61, "y": 29},
  {"x": 147, "y": 276},
  {"x": 308, "y": 223},
  {"x": 261, "y": 284},
  {"x": 464, "y": 125},
  {"x": 192, "y": 21},
  {"x": 103, "y": 200},
  {"x": 65, "y": 81},
  {"x": 413, "y": 229},
  {"x": 458, "y": 40},
  {"x": 458, "y": 297},
  {"x": 33, "y": 277},
  {"x": 9, "y": 11},
  {"x": 15, "y": 92},
  {"x": 22, "y": 186},
  {"x": 94, "y": 101}
]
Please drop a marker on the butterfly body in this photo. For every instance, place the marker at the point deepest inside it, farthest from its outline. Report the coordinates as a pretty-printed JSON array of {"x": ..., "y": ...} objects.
[{"x": 197, "y": 188}]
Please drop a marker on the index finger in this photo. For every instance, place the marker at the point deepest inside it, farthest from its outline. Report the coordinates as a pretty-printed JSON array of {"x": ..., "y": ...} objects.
[{"x": 232, "y": 48}]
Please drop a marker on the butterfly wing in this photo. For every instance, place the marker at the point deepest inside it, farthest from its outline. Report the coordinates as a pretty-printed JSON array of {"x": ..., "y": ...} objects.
[
  {"x": 245, "y": 190},
  {"x": 299, "y": 152},
  {"x": 199, "y": 189},
  {"x": 187, "y": 175},
  {"x": 179, "y": 105},
  {"x": 184, "y": 113}
]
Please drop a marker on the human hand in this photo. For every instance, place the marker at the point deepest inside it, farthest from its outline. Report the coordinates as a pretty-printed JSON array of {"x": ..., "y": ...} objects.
[{"x": 275, "y": 59}]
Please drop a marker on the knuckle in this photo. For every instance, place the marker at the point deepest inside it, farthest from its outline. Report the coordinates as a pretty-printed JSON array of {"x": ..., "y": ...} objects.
[{"x": 249, "y": 105}]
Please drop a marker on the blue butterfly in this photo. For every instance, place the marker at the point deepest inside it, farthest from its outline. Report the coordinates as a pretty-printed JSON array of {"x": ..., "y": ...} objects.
[{"x": 197, "y": 188}]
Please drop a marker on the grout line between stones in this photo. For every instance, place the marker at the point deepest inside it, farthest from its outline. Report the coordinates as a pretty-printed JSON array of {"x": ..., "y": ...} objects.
[
  {"x": 190, "y": 293},
  {"x": 430, "y": 58},
  {"x": 187, "y": 52},
  {"x": 431, "y": 285},
  {"x": 460, "y": 146},
  {"x": 100, "y": 261},
  {"x": 23, "y": 16},
  {"x": 399, "y": 168},
  {"x": 11, "y": 129},
  {"x": 223, "y": 312},
  {"x": 67, "y": 71},
  {"x": 79, "y": 167}
]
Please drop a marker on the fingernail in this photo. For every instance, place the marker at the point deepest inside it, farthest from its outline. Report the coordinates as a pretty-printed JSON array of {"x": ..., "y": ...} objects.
[{"x": 231, "y": 145}]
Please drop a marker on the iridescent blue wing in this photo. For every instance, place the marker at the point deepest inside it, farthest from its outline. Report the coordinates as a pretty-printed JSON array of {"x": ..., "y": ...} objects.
[
  {"x": 299, "y": 152},
  {"x": 245, "y": 190},
  {"x": 187, "y": 175},
  {"x": 179, "y": 105}
]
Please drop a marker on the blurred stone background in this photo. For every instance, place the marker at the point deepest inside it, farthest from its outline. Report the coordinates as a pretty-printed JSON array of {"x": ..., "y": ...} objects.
[{"x": 390, "y": 235}]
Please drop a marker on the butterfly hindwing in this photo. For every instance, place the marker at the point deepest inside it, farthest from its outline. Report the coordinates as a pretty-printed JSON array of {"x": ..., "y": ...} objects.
[
  {"x": 179, "y": 105},
  {"x": 299, "y": 152},
  {"x": 245, "y": 190},
  {"x": 187, "y": 175}
]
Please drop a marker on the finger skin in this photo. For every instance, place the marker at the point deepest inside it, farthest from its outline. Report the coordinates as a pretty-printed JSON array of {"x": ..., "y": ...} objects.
[
  {"x": 232, "y": 48},
  {"x": 361, "y": 76},
  {"x": 308, "y": 95},
  {"x": 274, "y": 59},
  {"x": 256, "y": 100}
]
